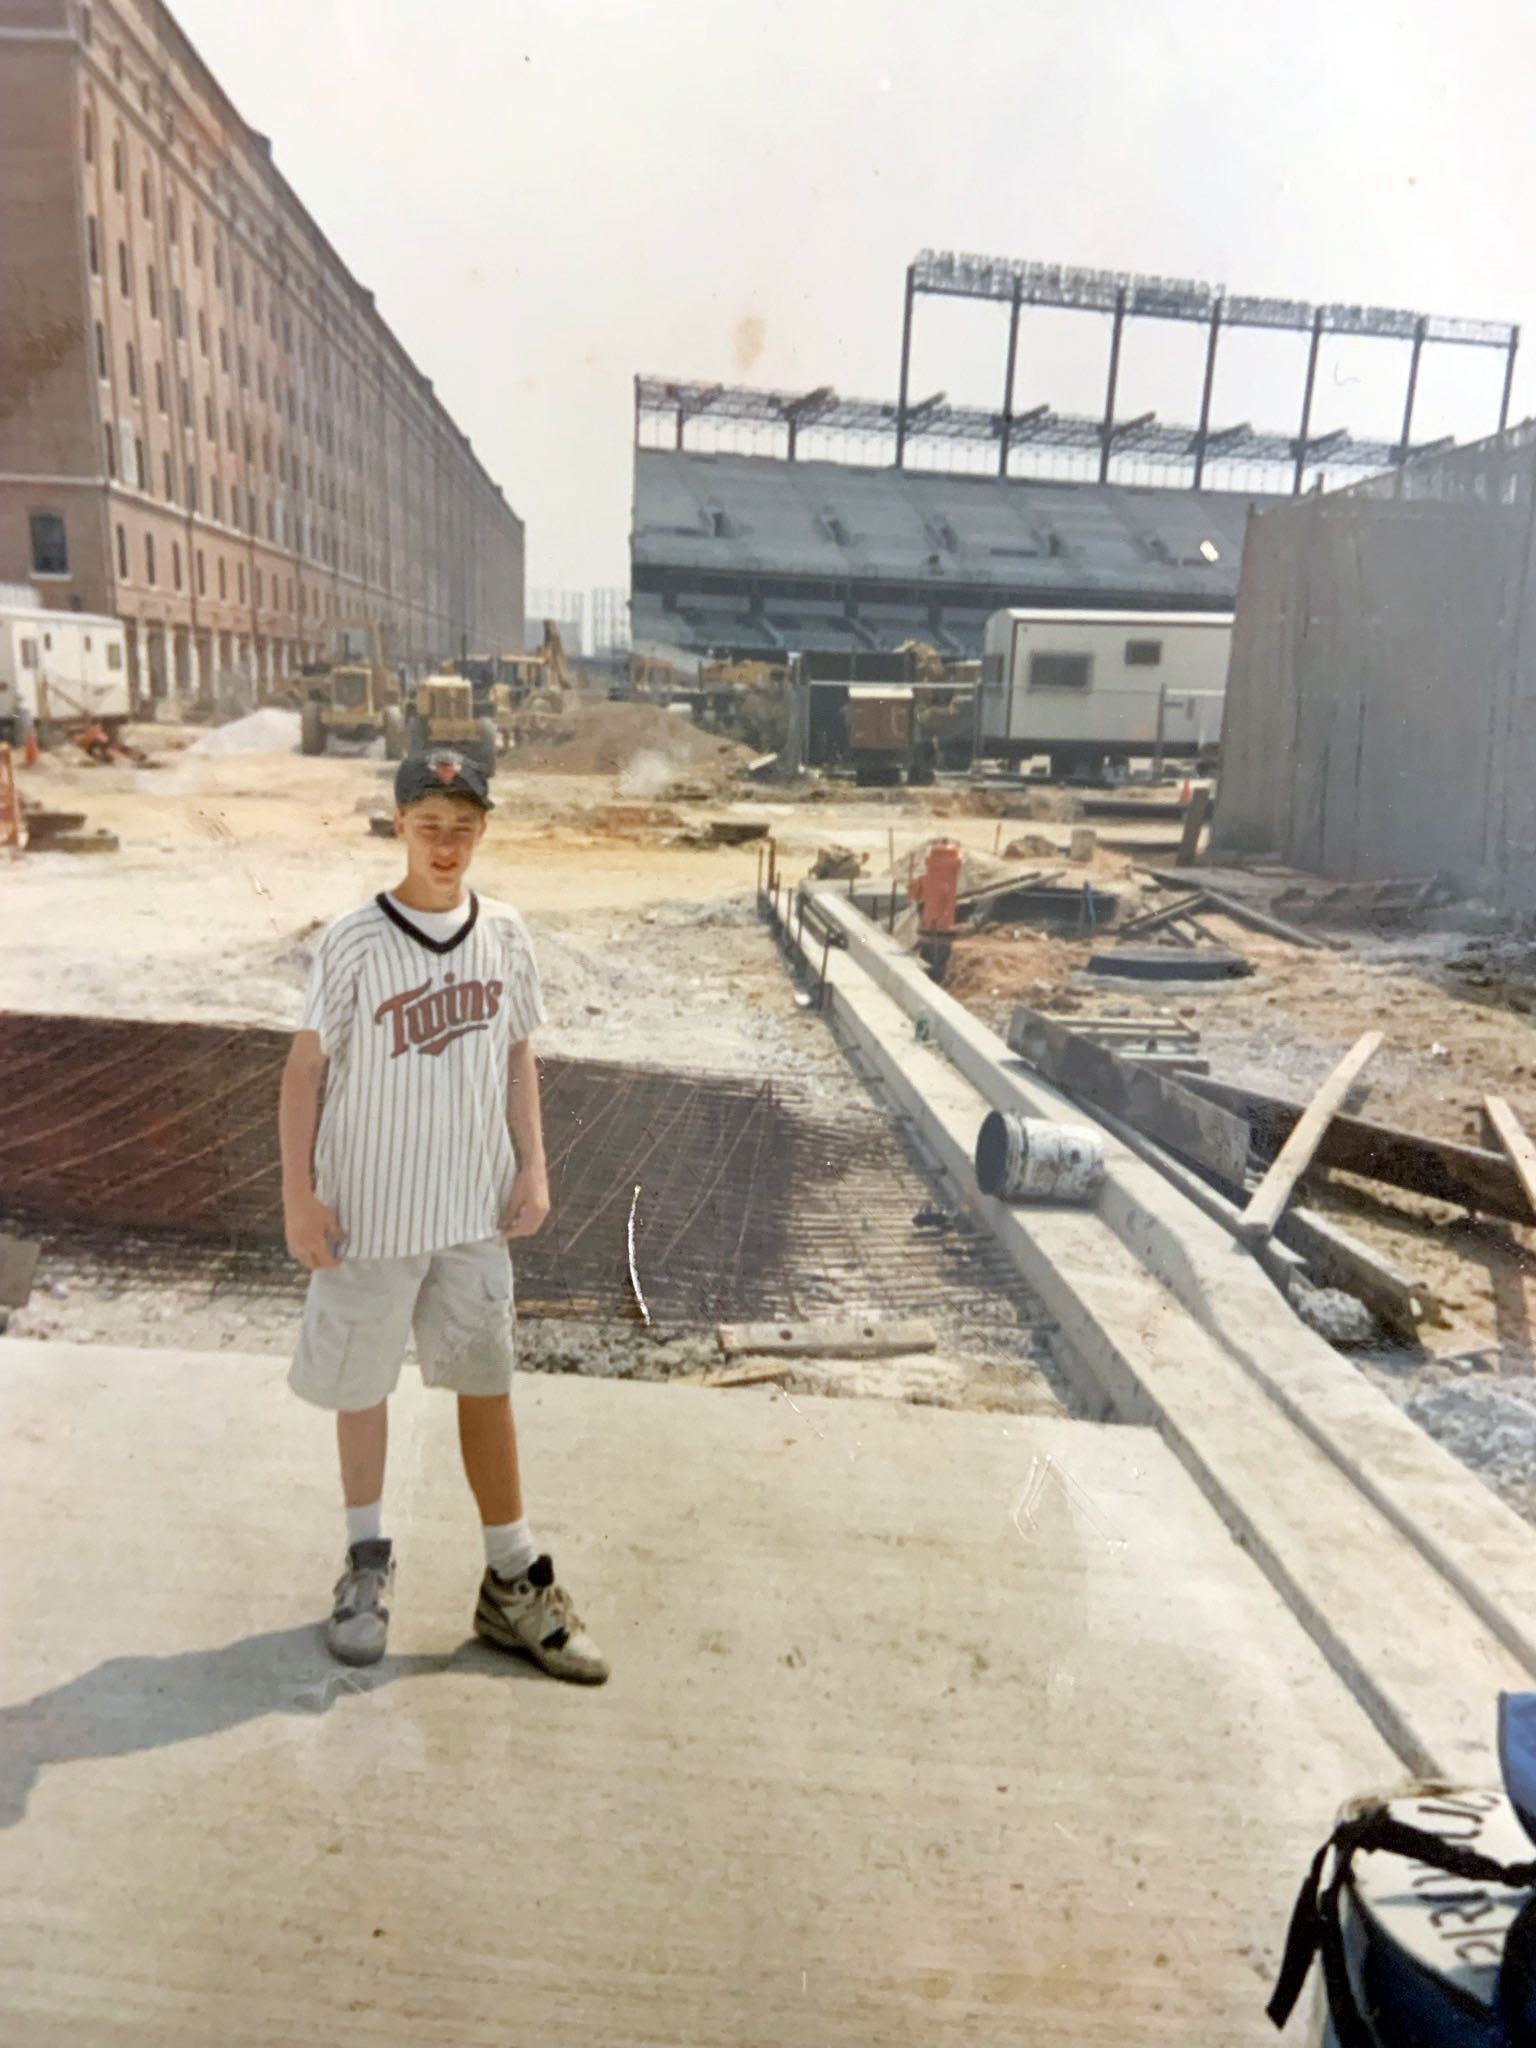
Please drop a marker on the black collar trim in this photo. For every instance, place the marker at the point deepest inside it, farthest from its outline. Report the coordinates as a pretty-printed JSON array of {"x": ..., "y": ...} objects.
[{"x": 396, "y": 917}]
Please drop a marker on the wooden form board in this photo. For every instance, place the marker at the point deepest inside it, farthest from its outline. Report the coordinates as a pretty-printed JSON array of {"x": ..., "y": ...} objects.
[
  {"x": 1268, "y": 1200},
  {"x": 1184, "y": 1122},
  {"x": 1468, "y": 1175},
  {"x": 1512, "y": 1136},
  {"x": 875, "y": 1337}
]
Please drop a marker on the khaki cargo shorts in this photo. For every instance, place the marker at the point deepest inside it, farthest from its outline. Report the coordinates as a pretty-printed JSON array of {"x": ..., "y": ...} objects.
[{"x": 360, "y": 1316}]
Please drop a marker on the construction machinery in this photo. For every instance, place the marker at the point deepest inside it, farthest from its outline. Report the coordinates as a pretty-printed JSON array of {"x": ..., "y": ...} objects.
[
  {"x": 357, "y": 696},
  {"x": 449, "y": 710},
  {"x": 885, "y": 737}
]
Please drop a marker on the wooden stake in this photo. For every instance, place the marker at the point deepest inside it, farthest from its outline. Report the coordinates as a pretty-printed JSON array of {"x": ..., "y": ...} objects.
[
  {"x": 1267, "y": 1203},
  {"x": 1510, "y": 1133},
  {"x": 1194, "y": 824}
]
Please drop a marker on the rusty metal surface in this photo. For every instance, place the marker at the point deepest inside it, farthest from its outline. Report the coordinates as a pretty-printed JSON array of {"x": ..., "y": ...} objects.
[{"x": 162, "y": 1139}]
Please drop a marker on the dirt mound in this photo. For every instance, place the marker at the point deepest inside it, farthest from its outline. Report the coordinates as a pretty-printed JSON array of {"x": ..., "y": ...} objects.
[
  {"x": 655, "y": 747},
  {"x": 978, "y": 870}
]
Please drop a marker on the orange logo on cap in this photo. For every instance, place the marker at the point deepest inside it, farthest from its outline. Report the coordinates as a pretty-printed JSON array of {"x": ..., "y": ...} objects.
[{"x": 447, "y": 770}]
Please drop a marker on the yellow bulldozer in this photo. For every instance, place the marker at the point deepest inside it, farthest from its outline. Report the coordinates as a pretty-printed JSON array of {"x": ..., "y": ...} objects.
[{"x": 356, "y": 697}]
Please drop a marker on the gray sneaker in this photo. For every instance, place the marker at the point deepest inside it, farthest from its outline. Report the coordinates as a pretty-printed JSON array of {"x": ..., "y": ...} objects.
[
  {"x": 533, "y": 1617},
  {"x": 359, "y": 1625}
]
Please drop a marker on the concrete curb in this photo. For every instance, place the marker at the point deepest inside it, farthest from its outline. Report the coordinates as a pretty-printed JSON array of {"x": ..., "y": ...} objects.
[{"x": 1175, "y": 1325}]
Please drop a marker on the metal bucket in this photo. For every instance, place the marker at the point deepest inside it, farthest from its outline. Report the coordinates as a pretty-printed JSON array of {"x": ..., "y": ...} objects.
[{"x": 1026, "y": 1159}]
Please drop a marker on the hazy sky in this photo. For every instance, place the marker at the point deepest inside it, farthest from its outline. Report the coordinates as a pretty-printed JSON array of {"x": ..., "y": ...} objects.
[{"x": 549, "y": 196}]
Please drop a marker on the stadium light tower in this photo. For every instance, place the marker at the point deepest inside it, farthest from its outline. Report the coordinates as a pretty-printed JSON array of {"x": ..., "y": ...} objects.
[{"x": 1124, "y": 296}]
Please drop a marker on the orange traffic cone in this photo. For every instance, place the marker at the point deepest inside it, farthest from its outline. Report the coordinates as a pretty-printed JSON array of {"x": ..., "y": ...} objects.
[
  {"x": 31, "y": 753},
  {"x": 1185, "y": 792}
]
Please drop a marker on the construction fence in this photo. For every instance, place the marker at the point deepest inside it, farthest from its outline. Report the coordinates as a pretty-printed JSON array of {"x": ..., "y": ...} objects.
[{"x": 1381, "y": 702}]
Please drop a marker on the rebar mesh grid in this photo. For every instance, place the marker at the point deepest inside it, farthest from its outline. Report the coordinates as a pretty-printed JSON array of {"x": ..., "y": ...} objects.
[{"x": 152, "y": 1148}]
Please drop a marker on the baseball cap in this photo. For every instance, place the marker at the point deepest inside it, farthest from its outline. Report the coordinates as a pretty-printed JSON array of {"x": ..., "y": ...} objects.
[{"x": 440, "y": 771}]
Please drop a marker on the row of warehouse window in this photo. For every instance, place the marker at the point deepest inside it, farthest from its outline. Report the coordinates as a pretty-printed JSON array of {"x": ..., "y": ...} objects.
[
  {"x": 278, "y": 328},
  {"x": 323, "y": 426},
  {"x": 280, "y": 324},
  {"x": 318, "y": 425},
  {"x": 289, "y": 469},
  {"x": 282, "y": 529},
  {"x": 50, "y": 558},
  {"x": 308, "y": 600}
]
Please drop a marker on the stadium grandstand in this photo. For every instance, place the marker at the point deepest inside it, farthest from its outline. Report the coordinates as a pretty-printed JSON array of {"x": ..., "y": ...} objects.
[
  {"x": 946, "y": 514},
  {"x": 740, "y": 557}
]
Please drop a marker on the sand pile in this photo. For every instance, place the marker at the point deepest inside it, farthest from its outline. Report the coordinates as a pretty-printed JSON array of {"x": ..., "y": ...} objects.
[
  {"x": 651, "y": 746},
  {"x": 268, "y": 731}
]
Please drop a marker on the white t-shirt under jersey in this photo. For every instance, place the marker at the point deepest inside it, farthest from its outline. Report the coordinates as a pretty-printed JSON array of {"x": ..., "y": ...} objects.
[{"x": 417, "y": 1013}]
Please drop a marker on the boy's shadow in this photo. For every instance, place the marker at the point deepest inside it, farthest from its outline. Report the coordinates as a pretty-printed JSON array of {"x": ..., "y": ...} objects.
[{"x": 129, "y": 1704}]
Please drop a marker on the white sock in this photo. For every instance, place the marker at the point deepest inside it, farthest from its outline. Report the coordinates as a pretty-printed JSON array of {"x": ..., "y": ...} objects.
[
  {"x": 509, "y": 1549},
  {"x": 364, "y": 1524}
]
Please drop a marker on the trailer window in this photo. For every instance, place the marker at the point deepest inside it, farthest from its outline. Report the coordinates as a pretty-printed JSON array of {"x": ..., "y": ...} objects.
[
  {"x": 114, "y": 656},
  {"x": 1060, "y": 671},
  {"x": 29, "y": 654},
  {"x": 1143, "y": 653}
]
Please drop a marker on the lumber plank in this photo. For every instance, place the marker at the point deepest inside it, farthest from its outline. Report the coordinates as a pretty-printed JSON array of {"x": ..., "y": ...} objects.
[
  {"x": 1512, "y": 1135},
  {"x": 1026, "y": 878},
  {"x": 18, "y": 1268},
  {"x": 1195, "y": 1129},
  {"x": 873, "y": 1337},
  {"x": 1194, "y": 824},
  {"x": 1473, "y": 1178},
  {"x": 1304, "y": 1245},
  {"x": 1151, "y": 919},
  {"x": 1267, "y": 1202},
  {"x": 1339, "y": 1260},
  {"x": 1256, "y": 920},
  {"x": 1283, "y": 1265}
]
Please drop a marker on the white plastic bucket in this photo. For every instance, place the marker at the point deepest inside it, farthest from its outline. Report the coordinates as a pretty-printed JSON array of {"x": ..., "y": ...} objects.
[{"x": 1026, "y": 1159}]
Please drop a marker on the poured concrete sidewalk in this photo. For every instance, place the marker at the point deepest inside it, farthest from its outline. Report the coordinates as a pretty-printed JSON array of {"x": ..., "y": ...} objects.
[{"x": 923, "y": 1728}]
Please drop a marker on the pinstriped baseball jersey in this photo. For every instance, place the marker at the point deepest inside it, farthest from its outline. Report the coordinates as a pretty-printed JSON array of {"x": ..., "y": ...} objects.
[{"x": 413, "y": 1152}]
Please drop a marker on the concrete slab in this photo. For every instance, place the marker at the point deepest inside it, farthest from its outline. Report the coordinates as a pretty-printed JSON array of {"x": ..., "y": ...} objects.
[{"x": 924, "y": 1727}]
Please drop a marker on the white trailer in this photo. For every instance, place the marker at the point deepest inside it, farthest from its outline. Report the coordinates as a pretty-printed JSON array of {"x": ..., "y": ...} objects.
[
  {"x": 1089, "y": 688},
  {"x": 59, "y": 671}
]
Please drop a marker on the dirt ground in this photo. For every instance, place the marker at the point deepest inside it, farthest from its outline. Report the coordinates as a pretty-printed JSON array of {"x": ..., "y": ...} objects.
[
  {"x": 651, "y": 951},
  {"x": 1280, "y": 1030}
]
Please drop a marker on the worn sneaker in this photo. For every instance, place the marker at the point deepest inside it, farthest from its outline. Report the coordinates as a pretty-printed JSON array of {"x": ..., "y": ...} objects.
[
  {"x": 534, "y": 1617},
  {"x": 359, "y": 1625}
]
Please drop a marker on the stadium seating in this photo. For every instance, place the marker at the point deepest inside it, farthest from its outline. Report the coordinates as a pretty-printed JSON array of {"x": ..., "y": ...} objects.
[{"x": 736, "y": 553}]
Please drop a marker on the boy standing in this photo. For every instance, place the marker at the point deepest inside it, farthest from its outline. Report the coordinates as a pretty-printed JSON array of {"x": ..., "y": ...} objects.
[{"x": 428, "y": 1157}]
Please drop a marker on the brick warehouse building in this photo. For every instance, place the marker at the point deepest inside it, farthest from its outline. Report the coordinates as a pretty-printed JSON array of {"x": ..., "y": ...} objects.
[{"x": 205, "y": 426}]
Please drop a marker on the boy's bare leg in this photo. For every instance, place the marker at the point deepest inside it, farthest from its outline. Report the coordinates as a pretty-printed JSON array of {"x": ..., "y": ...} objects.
[
  {"x": 362, "y": 1437},
  {"x": 488, "y": 1442}
]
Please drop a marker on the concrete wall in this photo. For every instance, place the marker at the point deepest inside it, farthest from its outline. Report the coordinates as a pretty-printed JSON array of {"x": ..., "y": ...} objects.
[{"x": 1381, "y": 704}]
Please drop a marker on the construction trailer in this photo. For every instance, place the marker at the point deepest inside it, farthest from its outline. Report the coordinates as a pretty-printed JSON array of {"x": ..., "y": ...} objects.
[
  {"x": 1091, "y": 689},
  {"x": 60, "y": 671}
]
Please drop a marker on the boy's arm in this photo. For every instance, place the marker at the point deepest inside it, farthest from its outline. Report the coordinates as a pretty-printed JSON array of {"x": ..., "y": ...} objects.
[
  {"x": 529, "y": 1203},
  {"x": 312, "y": 1231}
]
